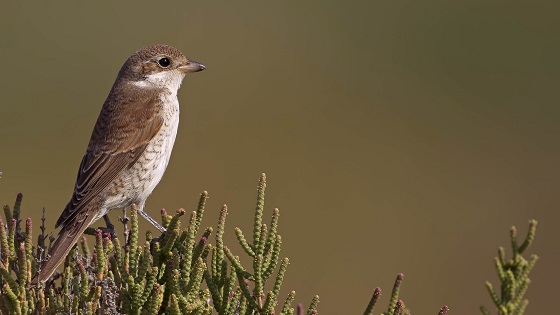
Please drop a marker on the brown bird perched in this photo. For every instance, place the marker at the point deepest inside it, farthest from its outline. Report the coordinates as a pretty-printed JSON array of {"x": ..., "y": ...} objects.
[{"x": 129, "y": 148}]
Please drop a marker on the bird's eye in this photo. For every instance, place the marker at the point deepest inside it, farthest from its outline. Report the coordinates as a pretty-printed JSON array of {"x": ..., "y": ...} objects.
[{"x": 164, "y": 62}]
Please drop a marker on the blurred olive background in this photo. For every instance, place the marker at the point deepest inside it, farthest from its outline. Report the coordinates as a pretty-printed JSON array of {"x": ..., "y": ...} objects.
[{"x": 402, "y": 136}]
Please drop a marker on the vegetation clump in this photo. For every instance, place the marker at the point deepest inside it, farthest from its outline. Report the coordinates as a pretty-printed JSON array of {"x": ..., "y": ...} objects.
[{"x": 183, "y": 272}]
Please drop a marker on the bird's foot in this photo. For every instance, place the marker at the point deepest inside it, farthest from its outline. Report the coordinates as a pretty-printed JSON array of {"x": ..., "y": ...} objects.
[
  {"x": 110, "y": 229},
  {"x": 90, "y": 231},
  {"x": 104, "y": 231},
  {"x": 158, "y": 239}
]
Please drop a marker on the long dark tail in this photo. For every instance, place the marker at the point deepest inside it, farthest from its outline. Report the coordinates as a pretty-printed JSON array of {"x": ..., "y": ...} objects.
[{"x": 67, "y": 237}]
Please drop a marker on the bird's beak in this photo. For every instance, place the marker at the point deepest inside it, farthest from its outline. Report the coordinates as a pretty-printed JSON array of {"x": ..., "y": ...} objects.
[{"x": 192, "y": 66}]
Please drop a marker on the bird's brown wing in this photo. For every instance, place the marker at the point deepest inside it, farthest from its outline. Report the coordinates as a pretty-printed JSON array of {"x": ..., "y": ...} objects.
[{"x": 121, "y": 134}]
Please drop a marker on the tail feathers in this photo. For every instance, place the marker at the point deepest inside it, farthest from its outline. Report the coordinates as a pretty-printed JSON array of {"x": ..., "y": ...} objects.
[{"x": 67, "y": 237}]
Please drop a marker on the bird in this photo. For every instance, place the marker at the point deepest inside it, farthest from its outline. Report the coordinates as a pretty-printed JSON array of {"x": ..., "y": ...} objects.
[{"x": 129, "y": 148}]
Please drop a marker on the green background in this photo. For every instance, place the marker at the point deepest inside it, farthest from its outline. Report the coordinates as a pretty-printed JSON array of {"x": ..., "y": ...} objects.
[{"x": 397, "y": 136}]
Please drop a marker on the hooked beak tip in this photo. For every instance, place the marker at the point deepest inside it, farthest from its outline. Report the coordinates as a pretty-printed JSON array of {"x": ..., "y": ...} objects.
[{"x": 192, "y": 66}]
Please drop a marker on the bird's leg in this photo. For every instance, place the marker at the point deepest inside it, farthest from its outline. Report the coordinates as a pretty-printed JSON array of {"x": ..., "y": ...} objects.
[
  {"x": 110, "y": 229},
  {"x": 150, "y": 219},
  {"x": 110, "y": 225}
]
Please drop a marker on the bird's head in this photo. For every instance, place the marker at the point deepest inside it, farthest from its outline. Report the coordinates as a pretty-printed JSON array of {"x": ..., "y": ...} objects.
[{"x": 158, "y": 66}]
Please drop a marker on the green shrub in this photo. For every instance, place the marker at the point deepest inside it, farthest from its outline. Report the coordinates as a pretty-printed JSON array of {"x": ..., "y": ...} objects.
[{"x": 180, "y": 272}]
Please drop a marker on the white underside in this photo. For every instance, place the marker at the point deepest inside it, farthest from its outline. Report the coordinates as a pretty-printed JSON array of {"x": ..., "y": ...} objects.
[{"x": 160, "y": 163}]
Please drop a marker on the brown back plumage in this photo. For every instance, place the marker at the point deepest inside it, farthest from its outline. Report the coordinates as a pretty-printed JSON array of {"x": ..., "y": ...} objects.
[
  {"x": 120, "y": 136},
  {"x": 127, "y": 122}
]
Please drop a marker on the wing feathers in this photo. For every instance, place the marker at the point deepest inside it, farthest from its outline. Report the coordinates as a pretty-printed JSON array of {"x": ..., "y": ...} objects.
[{"x": 121, "y": 134}]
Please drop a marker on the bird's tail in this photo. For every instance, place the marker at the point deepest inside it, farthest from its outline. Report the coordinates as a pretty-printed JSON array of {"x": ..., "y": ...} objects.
[{"x": 67, "y": 237}]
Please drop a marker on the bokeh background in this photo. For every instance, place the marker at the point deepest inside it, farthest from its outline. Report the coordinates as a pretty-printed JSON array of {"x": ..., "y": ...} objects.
[{"x": 400, "y": 136}]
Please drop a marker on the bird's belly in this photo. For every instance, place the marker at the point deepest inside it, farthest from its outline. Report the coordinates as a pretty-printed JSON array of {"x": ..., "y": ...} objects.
[
  {"x": 152, "y": 164},
  {"x": 138, "y": 182}
]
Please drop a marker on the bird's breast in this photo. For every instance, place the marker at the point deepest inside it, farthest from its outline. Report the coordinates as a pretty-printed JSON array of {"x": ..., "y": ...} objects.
[
  {"x": 154, "y": 160},
  {"x": 138, "y": 182}
]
